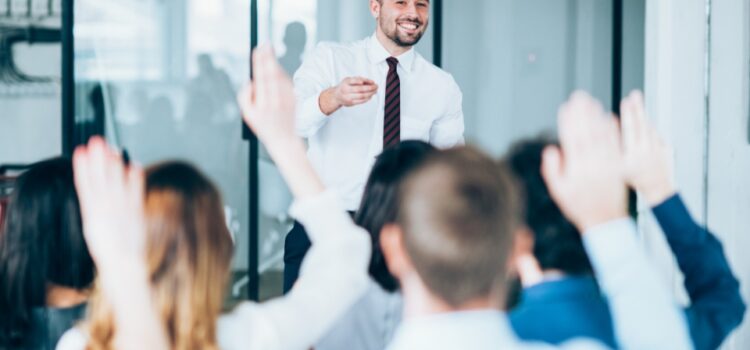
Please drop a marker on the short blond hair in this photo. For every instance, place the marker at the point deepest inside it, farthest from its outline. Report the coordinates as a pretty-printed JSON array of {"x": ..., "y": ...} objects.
[{"x": 459, "y": 212}]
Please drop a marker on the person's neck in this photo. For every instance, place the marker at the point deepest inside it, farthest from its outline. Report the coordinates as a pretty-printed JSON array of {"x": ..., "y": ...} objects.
[
  {"x": 419, "y": 301},
  {"x": 394, "y": 49},
  {"x": 64, "y": 297}
]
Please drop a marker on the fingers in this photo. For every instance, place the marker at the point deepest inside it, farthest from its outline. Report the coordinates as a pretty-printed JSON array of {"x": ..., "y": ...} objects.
[
  {"x": 261, "y": 75},
  {"x": 577, "y": 122},
  {"x": 552, "y": 168},
  {"x": 359, "y": 81},
  {"x": 136, "y": 183},
  {"x": 363, "y": 89}
]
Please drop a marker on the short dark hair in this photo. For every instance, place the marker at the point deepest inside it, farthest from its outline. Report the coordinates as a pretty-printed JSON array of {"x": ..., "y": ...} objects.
[
  {"x": 459, "y": 212},
  {"x": 380, "y": 200},
  {"x": 41, "y": 243},
  {"x": 557, "y": 243}
]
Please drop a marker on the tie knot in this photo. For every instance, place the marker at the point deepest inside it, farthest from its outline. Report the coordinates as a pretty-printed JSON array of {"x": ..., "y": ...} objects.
[{"x": 392, "y": 62}]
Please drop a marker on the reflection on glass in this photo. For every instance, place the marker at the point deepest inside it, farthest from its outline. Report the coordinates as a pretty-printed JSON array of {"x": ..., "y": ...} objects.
[{"x": 159, "y": 77}]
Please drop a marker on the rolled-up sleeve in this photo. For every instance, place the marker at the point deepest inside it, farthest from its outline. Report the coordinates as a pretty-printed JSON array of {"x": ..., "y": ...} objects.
[{"x": 448, "y": 130}]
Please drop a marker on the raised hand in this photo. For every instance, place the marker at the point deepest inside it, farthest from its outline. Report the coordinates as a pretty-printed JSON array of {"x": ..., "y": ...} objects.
[
  {"x": 585, "y": 175},
  {"x": 111, "y": 198},
  {"x": 648, "y": 161},
  {"x": 268, "y": 105},
  {"x": 268, "y": 102}
]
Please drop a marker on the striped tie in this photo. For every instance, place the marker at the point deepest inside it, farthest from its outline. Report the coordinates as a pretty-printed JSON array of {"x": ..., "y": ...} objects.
[{"x": 392, "y": 116}]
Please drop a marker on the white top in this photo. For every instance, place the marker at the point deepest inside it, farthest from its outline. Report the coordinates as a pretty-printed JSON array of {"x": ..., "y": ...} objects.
[
  {"x": 332, "y": 278},
  {"x": 645, "y": 314},
  {"x": 368, "y": 325},
  {"x": 343, "y": 146}
]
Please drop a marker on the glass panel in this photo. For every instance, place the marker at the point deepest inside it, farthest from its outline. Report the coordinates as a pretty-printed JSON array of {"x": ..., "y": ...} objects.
[
  {"x": 516, "y": 61},
  {"x": 159, "y": 79},
  {"x": 30, "y": 61}
]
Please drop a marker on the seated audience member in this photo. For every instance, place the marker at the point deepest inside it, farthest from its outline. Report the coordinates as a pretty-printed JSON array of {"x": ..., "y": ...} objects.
[
  {"x": 561, "y": 300},
  {"x": 558, "y": 281},
  {"x": 457, "y": 216},
  {"x": 186, "y": 247},
  {"x": 45, "y": 268},
  {"x": 370, "y": 323}
]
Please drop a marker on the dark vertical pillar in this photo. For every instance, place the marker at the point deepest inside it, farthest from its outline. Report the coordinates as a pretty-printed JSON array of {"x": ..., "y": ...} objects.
[
  {"x": 68, "y": 78},
  {"x": 253, "y": 286},
  {"x": 437, "y": 37}
]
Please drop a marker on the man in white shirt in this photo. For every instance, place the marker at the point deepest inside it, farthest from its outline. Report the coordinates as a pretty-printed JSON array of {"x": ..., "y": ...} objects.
[
  {"x": 358, "y": 98},
  {"x": 457, "y": 215}
]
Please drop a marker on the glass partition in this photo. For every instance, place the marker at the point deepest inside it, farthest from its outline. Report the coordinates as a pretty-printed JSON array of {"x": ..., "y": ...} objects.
[{"x": 158, "y": 78}]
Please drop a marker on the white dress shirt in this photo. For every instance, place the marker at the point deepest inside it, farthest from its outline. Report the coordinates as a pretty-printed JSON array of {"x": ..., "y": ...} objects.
[
  {"x": 645, "y": 315},
  {"x": 332, "y": 278},
  {"x": 343, "y": 146}
]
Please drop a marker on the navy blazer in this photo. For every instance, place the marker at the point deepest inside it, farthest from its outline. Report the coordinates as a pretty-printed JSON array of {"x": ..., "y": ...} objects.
[
  {"x": 559, "y": 310},
  {"x": 556, "y": 311}
]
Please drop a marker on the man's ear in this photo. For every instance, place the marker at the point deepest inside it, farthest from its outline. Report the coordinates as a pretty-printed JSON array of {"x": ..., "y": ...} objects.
[
  {"x": 523, "y": 244},
  {"x": 375, "y": 8},
  {"x": 394, "y": 250},
  {"x": 522, "y": 261}
]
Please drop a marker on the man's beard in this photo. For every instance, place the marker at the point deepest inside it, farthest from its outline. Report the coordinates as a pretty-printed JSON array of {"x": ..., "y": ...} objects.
[{"x": 405, "y": 41}]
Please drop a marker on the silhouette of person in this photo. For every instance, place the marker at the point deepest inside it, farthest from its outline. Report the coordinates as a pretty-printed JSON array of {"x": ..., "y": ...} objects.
[
  {"x": 210, "y": 93},
  {"x": 295, "y": 39}
]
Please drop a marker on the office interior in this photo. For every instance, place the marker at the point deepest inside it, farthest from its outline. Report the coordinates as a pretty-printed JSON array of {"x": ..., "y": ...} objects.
[{"x": 159, "y": 77}]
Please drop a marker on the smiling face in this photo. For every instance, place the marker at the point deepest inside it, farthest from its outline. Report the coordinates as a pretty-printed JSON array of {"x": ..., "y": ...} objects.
[{"x": 402, "y": 21}]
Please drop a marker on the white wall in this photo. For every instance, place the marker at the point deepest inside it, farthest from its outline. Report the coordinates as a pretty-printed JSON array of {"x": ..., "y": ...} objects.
[
  {"x": 729, "y": 151},
  {"x": 516, "y": 61},
  {"x": 700, "y": 103}
]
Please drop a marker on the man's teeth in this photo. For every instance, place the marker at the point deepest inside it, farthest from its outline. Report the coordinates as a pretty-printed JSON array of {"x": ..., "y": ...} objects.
[{"x": 409, "y": 26}]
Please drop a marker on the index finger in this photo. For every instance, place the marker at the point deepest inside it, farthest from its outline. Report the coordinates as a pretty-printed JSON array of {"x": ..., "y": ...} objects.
[{"x": 361, "y": 81}]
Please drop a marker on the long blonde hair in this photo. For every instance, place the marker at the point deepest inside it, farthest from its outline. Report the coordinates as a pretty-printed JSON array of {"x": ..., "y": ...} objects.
[{"x": 189, "y": 252}]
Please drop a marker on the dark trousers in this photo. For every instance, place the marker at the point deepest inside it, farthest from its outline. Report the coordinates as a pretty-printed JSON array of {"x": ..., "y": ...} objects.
[{"x": 296, "y": 246}]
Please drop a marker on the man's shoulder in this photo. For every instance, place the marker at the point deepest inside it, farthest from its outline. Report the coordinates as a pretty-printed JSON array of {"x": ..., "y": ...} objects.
[{"x": 435, "y": 73}]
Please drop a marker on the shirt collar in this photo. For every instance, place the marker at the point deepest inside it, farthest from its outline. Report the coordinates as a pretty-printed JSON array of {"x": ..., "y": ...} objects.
[
  {"x": 567, "y": 288},
  {"x": 378, "y": 54},
  {"x": 488, "y": 329}
]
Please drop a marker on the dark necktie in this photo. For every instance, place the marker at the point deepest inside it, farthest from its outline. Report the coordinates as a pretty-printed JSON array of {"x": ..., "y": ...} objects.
[{"x": 392, "y": 116}]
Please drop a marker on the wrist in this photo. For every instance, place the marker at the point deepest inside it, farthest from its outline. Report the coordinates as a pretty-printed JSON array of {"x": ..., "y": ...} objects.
[
  {"x": 122, "y": 275},
  {"x": 658, "y": 194},
  {"x": 585, "y": 224},
  {"x": 280, "y": 144},
  {"x": 328, "y": 101}
]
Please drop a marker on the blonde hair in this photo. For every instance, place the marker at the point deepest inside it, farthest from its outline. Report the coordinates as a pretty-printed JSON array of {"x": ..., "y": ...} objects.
[{"x": 189, "y": 252}]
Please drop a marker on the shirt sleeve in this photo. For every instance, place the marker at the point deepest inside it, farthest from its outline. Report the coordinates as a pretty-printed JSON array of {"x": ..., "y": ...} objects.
[
  {"x": 448, "y": 130},
  {"x": 72, "y": 339},
  {"x": 645, "y": 314},
  {"x": 333, "y": 277},
  {"x": 311, "y": 79},
  {"x": 716, "y": 305}
]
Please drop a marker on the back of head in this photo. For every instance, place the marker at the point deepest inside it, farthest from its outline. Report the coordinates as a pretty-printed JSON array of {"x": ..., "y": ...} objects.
[
  {"x": 557, "y": 243},
  {"x": 189, "y": 251},
  {"x": 458, "y": 212},
  {"x": 380, "y": 200},
  {"x": 41, "y": 244}
]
